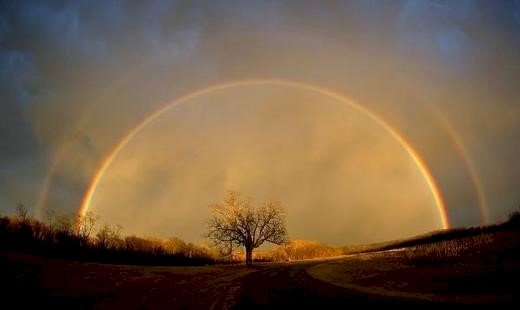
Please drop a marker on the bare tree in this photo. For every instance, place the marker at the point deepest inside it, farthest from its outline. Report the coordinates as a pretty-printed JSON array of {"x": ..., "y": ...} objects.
[
  {"x": 22, "y": 213},
  {"x": 109, "y": 237},
  {"x": 237, "y": 222},
  {"x": 50, "y": 218},
  {"x": 85, "y": 225}
]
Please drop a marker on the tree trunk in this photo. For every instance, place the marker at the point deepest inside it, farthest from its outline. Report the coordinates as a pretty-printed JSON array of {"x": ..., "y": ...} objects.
[{"x": 249, "y": 256}]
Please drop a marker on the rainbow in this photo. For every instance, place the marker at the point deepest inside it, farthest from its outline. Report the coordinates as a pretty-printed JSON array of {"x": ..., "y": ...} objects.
[
  {"x": 62, "y": 150},
  {"x": 44, "y": 192},
  {"x": 105, "y": 164},
  {"x": 468, "y": 164}
]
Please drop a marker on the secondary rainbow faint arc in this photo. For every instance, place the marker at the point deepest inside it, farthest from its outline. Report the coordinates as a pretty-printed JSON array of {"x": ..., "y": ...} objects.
[
  {"x": 105, "y": 164},
  {"x": 468, "y": 164},
  {"x": 61, "y": 152}
]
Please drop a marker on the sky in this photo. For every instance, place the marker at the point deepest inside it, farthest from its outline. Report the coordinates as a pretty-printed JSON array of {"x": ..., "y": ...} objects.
[{"x": 76, "y": 77}]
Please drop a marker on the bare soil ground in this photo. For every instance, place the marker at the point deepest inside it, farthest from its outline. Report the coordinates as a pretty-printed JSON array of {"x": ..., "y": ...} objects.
[
  {"x": 389, "y": 273},
  {"x": 375, "y": 278}
]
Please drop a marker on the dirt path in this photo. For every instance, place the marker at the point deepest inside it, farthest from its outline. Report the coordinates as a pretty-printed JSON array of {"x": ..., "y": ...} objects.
[{"x": 291, "y": 286}]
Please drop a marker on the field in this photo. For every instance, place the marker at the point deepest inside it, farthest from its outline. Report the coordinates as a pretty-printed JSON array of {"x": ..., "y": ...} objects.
[
  {"x": 389, "y": 277},
  {"x": 476, "y": 265}
]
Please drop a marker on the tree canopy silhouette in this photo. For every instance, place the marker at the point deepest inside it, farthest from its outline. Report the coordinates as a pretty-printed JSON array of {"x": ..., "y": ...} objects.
[{"x": 237, "y": 223}]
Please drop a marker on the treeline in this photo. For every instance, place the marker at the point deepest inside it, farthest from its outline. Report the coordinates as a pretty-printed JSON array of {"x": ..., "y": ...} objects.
[
  {"x": 291, "y": 251},
  {"x": 78, "y": 238},
  {"x": 75, "y": 237},
  {"x": 303, "y": 249}
]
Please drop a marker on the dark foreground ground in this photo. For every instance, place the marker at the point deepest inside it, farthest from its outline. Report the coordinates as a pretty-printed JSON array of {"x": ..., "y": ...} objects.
[{"x": 377, "y": 278}]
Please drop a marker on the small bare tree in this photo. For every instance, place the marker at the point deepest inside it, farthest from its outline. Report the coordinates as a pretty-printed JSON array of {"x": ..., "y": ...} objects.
[
  {"x": 237, "y": 222},
  {"x": 109, "y": 237},
  {"x": 85, "y": 225},
  {"x": 22, "y": 213}
]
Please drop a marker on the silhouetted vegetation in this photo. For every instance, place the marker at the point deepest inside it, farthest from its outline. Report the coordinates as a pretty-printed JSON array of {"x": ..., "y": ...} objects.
[
  {"x": 75, "y": 237},
  {"x": 445, "y": 235},
  {"x": 237, "y": 223},
  {"x": 78, "y": 238},
  {"x": 514, "y": 219},
  {"x": 490, "y": 244},
  {"x": 72, "y": 237},
  {"x": 302, "y": 249}
]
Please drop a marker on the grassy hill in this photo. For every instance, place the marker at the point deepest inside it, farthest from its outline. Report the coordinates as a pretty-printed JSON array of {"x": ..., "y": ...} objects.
[{"x": 509, "y": 229}]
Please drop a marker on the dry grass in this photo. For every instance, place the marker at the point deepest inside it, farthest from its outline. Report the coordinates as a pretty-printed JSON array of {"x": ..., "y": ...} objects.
[{"x": 486, "y": 246}]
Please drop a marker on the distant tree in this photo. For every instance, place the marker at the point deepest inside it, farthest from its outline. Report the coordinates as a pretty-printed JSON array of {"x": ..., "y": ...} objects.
[
  {"x": 50, "y": 218},
  {"x": 237, "y": 222},
  {"x": 176, "y": 245},
  {"x": 23, "y": 224},
  {"x": 305, "y": 249},
  {"x": 109, "y": 237},
  {"x": 64, "y": 224},
  {"x": 85, "y": 225},
  {"x": 22, "y": 213}
]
